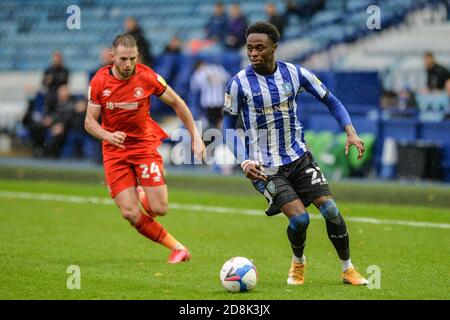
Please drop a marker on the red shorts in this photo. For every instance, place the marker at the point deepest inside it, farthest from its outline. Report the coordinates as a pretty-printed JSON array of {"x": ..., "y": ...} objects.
[{"x": 124, "y": 170}]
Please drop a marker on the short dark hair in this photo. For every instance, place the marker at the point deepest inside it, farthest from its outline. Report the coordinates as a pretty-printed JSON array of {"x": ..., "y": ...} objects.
[
  {"x": 125, "y": 40},
  {"x": 429, "y": 54},
  {"x": 264, "y": 27}
]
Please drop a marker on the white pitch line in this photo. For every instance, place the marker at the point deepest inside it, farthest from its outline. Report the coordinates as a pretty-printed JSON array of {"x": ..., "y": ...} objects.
[{"x": 202, "y": 208}]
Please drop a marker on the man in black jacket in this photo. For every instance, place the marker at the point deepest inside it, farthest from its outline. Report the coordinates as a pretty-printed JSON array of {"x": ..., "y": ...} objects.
[
  {"x": 55, "y": 76},
  {"x": 144, "y": 48},
  {"x": 436, "y": 74}
]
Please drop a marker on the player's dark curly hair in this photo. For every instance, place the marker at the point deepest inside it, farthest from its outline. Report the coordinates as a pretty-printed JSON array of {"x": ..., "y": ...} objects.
[{"x": 264, "y": 27}]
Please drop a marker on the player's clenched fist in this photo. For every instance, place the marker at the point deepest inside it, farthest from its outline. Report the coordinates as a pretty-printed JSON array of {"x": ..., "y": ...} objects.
[
  {"x": 117, "y": 138},
  {"x": 253, "y": 170}
]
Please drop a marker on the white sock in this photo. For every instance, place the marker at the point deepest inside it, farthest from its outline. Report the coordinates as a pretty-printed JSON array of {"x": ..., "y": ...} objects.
[
  {"x": 346, "y": 264},
  {"x": 301, "y": 260}
]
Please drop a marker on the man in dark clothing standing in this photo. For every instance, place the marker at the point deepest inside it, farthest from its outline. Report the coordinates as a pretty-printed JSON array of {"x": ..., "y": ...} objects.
[
  {"x": 237, "y": 24},
  {"x": 274, "y": 17},
  {"x": 144, "y": 48},
  {"x": 216, "y": 27},
  {"x": 55, "y": 76},
  {"x": 436, "y": 74}
]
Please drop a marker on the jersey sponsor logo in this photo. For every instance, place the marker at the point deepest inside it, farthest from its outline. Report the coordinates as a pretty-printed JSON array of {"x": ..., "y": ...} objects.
[
  {"x": 138, "y": 92},
  {"x": 122, "y": 105},
  {"x": 106, "y": 93},
  {"x": 284, "y": 106}
]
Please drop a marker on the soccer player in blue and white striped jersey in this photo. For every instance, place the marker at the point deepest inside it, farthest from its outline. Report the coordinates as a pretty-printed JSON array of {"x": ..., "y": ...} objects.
[{"x": 274, "y": 155}]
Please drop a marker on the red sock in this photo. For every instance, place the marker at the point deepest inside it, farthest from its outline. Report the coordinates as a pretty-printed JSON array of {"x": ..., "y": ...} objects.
[{"x": 150, "y": 228}]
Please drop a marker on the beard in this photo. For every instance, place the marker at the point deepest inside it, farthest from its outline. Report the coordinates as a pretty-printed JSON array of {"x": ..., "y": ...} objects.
[{"x": 126, "y": 73}]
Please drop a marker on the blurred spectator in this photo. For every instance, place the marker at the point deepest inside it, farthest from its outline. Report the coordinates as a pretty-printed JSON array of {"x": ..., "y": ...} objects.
[
  {"x": 436, "y": 74},
  {"x": 407, "y": 100},
  {"x": 447, "y": 88},
  {"x": 303, "y": 10},
  {"x": 145, "y": 54},
  {"x": 210, "y": 80},
  {"x": 174, "y": 45},
  {"x": 237, "y": 24},
  {"x": 216, "y": 26},
  {"x": 170, "y": 61},
  {"x": 399, "y": 104},
  {"x": 105, "y": 59},
  {"x": 447, "y": 91},
  {"x": 447, "y": 8},
  {"x": 78, "y": 142},
  {"x": 388, "y": 100},
  {"x": 56, "y": 121},
  {"x": 46, "y": 124},
  {"x": 274, "y": 17},
  {"x": 55, "y": 76},
  {"x": 32, "y": 122}
]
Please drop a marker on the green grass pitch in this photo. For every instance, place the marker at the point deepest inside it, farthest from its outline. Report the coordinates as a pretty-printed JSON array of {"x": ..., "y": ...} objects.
[{"x": 40, "y": 239}]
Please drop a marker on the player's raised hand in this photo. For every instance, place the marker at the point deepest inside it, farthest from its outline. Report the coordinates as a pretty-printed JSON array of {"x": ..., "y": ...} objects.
[
  {"x": 355, "y": 140},
  {"x": 198, "y": 147},
  {"x": 117, "y": 138},
  {"x": 253, "y": 170}
]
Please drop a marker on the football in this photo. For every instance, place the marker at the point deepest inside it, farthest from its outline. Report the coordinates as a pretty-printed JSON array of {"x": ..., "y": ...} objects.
[{"x": 238, "y": 274}]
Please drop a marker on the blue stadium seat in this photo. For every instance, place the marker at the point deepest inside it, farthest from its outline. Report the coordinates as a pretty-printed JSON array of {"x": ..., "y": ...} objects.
[
  {"x": 402, "y": 130},
  {"x": 367, "y": 91},
  {"x": 433, "y": 102},
  {"x": 364, "y": 125},
  {"x": 438, "y": 132},
  {"x": 322, "y": 122},
  {"x": 359, "y": 109}
]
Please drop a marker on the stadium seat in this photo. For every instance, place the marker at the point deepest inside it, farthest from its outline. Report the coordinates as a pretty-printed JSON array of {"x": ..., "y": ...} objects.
[
  {"x": 433, "y": 102},
  {"x": 402, "y": 130},
  {"x": 437, "y": 132},
  {"x": 364, "y": 125},
  {"x": 322, "y": 122},
  {"x": 360, "y": 109}
]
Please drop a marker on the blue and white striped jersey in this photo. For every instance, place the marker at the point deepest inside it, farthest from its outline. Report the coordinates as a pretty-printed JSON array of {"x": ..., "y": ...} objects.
[{"x": 267, "y": 104}]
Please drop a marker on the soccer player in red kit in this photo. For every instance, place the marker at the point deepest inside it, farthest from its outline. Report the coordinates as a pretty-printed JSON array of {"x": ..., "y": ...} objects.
[{"x": 120, "y": 93}]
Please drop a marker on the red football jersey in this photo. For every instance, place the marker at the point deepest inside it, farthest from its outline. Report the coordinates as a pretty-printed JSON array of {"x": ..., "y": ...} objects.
[{"x": 125, "y": 106}]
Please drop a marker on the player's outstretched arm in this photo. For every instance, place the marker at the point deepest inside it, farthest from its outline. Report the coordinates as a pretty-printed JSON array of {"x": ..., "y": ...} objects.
[
  {"x": 95, "y": 129},
  {"x": 341, "y": 115},
  {"x": 171, "y": 98}
]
